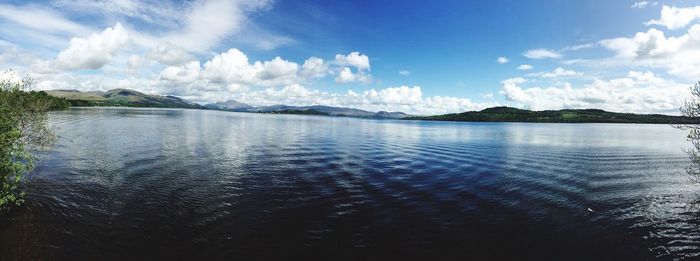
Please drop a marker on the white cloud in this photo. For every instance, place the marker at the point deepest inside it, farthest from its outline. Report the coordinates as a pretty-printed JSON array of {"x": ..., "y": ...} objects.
[
  {"x": 511, "y": 89},
  {"x": 345, "y": 75},
  {"x": 278, "y": 68},
  {"x": 231, "y": 71},
  {"x": 42, "y": 29},
  {"x": 169, "y": 54},
  {"x": 209, "y": 22},
  {"x": 230, "y": 67},
  {"x": 675, "y": 18},
  {"x": 187, "y": 73},
  {"x": 640, "y": 4},
  {"x": 652, "y": 43},
  {"x": 16, "y": 58},
  {"x": 558, "y": 72},
  {"x": 502, "y": 60},
  {"x": 41, "y": 19},
  {"x": 397, "y": 95},
  {"x": 679, "y": 55},
  {"x": 525, "y": 67},
  {"x": 405, "y": 72},
  {"x": 354, "y": 59},
  {"x": 135, "y": 62},
  {"x": 94, "y": 51},
  {"x": 402, "y": 98},
  {"x": 233, "y": 68},
  {"x": 227, "y": 73},
  {"x": 195, "y": 26},
  {"x": 488, "y": 95},
  {"x": 542, "y": 54},
  {"x": 315, "y": 67},
  {"x": 639, "y": 92},
  {"x": 154, "y": 12},
  {"x": 578, "y": 47}
]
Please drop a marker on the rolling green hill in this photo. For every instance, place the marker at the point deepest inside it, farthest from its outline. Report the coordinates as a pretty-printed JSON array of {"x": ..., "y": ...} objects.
[
  {"x": 508, "y": 114},
  {"x": 122, "y": 97}
]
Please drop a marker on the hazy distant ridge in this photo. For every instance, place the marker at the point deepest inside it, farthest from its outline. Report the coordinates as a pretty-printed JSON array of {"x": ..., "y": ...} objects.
[
  {"x": 131, "y": 98},
  {"x": 233, "y": 105}
]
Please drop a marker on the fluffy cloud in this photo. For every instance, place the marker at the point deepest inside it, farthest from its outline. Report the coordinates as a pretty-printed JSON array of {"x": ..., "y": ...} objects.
[
  {"x": 94, "y": 51},
  {"x": 542, "y": 54},
  {"x": 401, "y": 98},
  {"x": 345, "y": 75},
  {"x": 315, "y": 67},
  {"x": 679, "y": 55},
  {"x": 502, "y": 60},
  {"x": 525, "y": 67},
  {"x": 675, "y": 17},
  {"x": 277, "y": 68},
  {"x": 183, "y": 74},
  {"x": 402, "y": 95},
  {"x": 169, "y": 54},
  {"x": 232, "y": 74},
  {"x": 234, "y": 70},
  {"x": 639, "y": 92},
  {"x": 232, "y": 67},
  {"x": 355, "y": 59},
  {"x": 405, "y": 72},
  {"x": 558, "y": 72}
]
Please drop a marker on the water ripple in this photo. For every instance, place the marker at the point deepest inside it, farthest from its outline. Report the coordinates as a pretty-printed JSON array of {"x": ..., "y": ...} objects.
[{"x": 182, "y": 184}]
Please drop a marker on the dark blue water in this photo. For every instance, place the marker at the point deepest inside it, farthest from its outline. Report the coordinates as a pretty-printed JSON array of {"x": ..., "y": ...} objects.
[{"x": 126, "y": 184}]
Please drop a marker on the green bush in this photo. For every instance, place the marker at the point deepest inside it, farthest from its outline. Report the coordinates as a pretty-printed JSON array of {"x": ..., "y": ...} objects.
[{"x": 23, "y": 129}]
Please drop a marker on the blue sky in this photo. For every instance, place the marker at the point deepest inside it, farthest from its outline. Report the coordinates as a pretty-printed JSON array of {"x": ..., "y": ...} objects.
[{"x": 421, "y": 57}]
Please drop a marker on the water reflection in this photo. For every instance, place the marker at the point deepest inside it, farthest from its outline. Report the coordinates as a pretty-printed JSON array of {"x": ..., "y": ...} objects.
[{"x": 186, "y": 184}]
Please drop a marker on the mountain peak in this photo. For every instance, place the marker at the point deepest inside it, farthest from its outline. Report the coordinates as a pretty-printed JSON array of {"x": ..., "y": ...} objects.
[{"x": 230, "y": 105}]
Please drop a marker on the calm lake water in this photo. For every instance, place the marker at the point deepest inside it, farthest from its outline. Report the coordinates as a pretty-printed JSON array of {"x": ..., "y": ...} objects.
[{"x": 125, "y": 184}]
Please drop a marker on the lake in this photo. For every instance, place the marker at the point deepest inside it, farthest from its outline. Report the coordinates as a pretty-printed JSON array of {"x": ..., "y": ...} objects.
[{"x": 125, "y": 184}]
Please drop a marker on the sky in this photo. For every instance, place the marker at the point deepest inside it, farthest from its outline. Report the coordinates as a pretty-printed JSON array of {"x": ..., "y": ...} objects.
[{"x": 418, "y": 57}]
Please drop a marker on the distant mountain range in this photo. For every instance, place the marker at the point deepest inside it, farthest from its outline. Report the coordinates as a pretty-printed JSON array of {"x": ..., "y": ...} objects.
[
  {"x": 233, "y": 105},
  {"x": 508, "y": 114},
  {"x": 230, "y": 105},
  {"x": 131, "y": 98},
  {"x": 122, "y": 97}
]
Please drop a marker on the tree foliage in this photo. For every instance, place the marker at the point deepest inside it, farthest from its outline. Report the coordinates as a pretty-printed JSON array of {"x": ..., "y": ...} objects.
[
  {"x": 691, "y": 108},
  {"x": 23, "y": 129}
]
